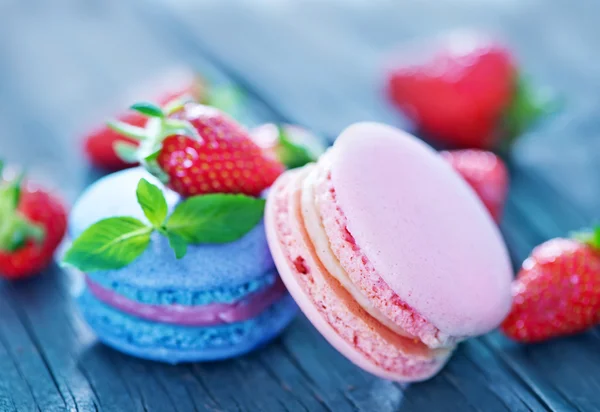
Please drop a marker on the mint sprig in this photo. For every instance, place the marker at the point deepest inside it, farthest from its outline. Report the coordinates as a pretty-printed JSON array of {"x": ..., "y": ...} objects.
[{"x": 116, "y": 242}]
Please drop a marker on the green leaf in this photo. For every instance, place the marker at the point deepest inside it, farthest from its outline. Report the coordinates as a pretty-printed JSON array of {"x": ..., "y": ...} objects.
[
  {"x": 125, "y": 129},
  {"x": 153, "y": 202},
  {"x": 590, "y": 237},
  {"x": 528, "y": 106},
  {"x": 176, "y": 105},
  {"x": 148, "y": 109},
  {"x": 126, "y": 151},
  {"x": 16, "y": 230},
  {"x": 109, "y": 244},
  {"x": 10, "y": 193},
  {"x": 152, "y": 156},
  {"x": 178, "y": 244},
  {"x": 292, "y": 154},
  {"x": 215, "y": 218}
]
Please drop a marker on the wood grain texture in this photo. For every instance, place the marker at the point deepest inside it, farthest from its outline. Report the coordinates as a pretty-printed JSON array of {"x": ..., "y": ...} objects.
[{"x": 66, "y": 64}]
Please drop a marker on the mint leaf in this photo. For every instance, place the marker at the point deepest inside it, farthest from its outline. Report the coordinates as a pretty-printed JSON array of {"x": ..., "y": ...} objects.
[
  {"x": 111, "y": 243},
  {"x": 153, "y": 203},
  {"x": 148, "y": 109},
  {"x": 178, "y": 244},
  {"x": 215, "y": 218}
]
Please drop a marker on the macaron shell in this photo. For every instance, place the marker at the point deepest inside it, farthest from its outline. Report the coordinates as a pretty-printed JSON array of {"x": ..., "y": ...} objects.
[
  {"x": 423, "y": 229},
  {"x": 113, "y": 195},
  {"x": 350, "y": 317},
  {"x": 176, "y": 344}
]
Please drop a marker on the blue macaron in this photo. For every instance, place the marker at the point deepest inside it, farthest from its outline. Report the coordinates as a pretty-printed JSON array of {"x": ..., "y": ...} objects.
[{"x": 219, "y": 301}]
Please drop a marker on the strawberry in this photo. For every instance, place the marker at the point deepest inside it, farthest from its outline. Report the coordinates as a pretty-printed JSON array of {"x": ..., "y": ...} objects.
[
  {"x": 32, "y": 225},
  {"x": 466, "y": 93},
  {"x": 485, "y": 173},
  {"x": 557, "y": 291},
  {"x": 292, "y": 145},
  {"x": 100, "y": 143},
  {"x": 196, "y": 149}
]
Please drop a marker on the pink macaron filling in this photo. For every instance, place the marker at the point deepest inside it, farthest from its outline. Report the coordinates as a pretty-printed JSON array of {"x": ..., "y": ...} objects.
[{"x": 202, "y": 315}]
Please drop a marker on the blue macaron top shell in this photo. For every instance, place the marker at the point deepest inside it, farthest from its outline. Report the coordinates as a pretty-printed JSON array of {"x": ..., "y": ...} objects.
[{"x": 239, "y": 264}]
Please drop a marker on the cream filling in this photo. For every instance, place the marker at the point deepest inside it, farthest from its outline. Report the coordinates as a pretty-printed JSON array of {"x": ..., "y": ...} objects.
[{"x": 316, "y": 231}]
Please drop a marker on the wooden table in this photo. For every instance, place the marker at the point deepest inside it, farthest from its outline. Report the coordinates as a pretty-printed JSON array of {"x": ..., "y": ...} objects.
[{"x": 65, "y": 64}]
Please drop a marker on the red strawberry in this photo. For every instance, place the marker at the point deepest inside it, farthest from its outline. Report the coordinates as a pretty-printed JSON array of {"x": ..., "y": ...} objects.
[
  {"x": 486, "y": 174},
  {"x": 199, "y": 150},
  {"x": 100, "y": 143},
  {"x": 557, "y": 291},
  {"x": 32, "y": 225},
  {"x": 467, "y": 94}
]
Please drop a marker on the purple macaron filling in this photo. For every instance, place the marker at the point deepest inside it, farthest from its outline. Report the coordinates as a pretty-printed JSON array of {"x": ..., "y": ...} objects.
[{"x": 203, "y": 315}]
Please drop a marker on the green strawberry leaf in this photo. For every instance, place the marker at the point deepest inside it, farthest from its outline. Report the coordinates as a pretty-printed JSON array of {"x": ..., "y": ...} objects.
[
  {"x": 292, "y": 154},
  {"x": 125, "y": 129},
  {"x": 15, "y": 228},
  {"x": 528, "y": 106},
  {"x": 126, "y": 151},
  {"x": 153, "y": 202},
  {"x": 10, "y": 193},
  {"x": 590, "y": 237},
  {"x": 109, "y": 244},
  {"x": 215, "y": 218},
  {"x": 152, "y": 156},
  {"x": 176, "y": 105},
  {"x": 178, "y": 244},
  {"x": 148, "y": 109}
]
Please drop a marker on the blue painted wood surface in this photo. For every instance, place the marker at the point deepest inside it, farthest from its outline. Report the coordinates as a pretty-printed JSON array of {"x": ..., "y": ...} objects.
[{"x": 65, "y": 64}]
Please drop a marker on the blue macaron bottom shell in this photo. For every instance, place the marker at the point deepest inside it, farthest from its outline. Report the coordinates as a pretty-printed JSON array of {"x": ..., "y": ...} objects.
[{"x": 180, "y": 344}]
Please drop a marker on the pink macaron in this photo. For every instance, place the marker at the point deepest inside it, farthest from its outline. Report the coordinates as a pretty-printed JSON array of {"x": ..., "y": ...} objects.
[{"x": 388, "y": 252}]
